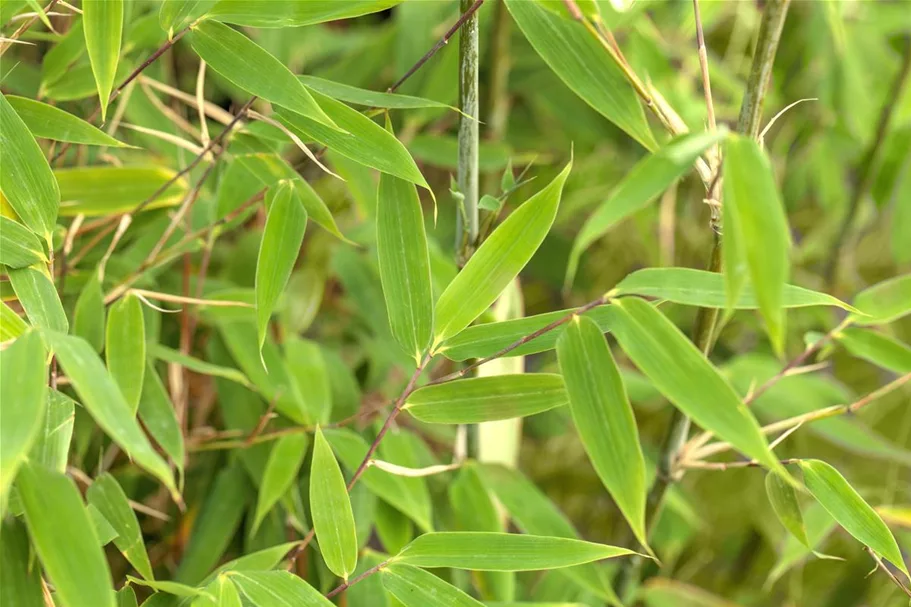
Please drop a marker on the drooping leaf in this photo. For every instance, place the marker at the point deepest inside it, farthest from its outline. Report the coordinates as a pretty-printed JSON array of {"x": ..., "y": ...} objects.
[
  {"x": 175, "y": 14},
  {"x": 172, "y": 356},
  {"x": 284, "y": 463},
  {"x": 418, "y": 588},
  {"x": 359, "y": 96},
  {"x": 877, "y": 348},
  {"x": 19, "y": 247},
  {"x": 333, "y": 520},
  {"x": 292, "y": 13},
  {"x": 102, "y": 23},
  {"x": 159, "y": 418},
  {"x": 480, "y": 399},
  {"x": 21, "y": 581},
  {"x": 108, "y": 190},
  {"x": 884, "y": 302},
  {"x": 404, "y": 264},
  {"x": 107, "y": 495},
  {"x": 38, "y": 297},
  {"x": 57, "y": 517},
  {"x": 11, "y": 324},
  {"x": 49, "y": 122},
  {"x": 26, "y": 180},
  {"x": 125, "y": 347},
  {"x": 756, "y": 230},
  {"x": 254, "y": 69},
  {"x": 278, "y": 588},
  {"x": 783, "y": 498},
  {"x": 497, "y": 261},
  {"x": 88, "y": 318},
  {"x": 604, "y": 418}
]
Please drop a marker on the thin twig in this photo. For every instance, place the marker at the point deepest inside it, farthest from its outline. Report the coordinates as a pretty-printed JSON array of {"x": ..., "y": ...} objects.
[
  {"x": 8, "y": 42},
  {"x": 704, "y": 66},
  {"x": 887, "y": 571},
  {"x": 354, "y": 581}
]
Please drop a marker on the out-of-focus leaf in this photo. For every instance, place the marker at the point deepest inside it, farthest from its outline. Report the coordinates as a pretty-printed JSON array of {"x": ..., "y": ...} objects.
[
  {"x": 125, "y": 347},
  {"x": 23, "y": 392},
  {"x": 52, "y": 445},
  {"x": 480, "y": 399},
  {"x": 109, "y": 190},
  {"x": 101, "y": 396},
  {"x": 442, "y": 151},
  {"x": 418, "y": 588},
  {"x": 783, "y": 498},
  {"x": 404, "y": 264},
  {"x": 877, "y": 348},
  {"x": 254, "y": 69},
  {"x": 57, "y": 517},
  {"x": 333, "y": 520},
  {"x": 88, "y": 317},
  {"x": 282, "y": 237},
  {"x": 756, "y": 232},
  {"x": 172, "y": 356},
  {"x": 604, "y": 418},
  {"x": 284, "y": 463},
  {"x": 580, "y": 61},
  {"x": 175, "y": 14},
  {"x": 38, "y": 297},
  {"x": 62, "y": 55},
  {"x": 19, "y": 247},
  {"x": 21, "y": 579},
  {"x": 11, "y": 324},
  {"x": 359, "y": 96},
  {"x": 158, "y": 416},
  {"x": 126, "y": 597},
  {"x": 498, "y": 261},
  {"x": 26, "y": 179},
  {"x": 819, "y": 525},
  {"x": 884, "y": 302},
  {"x": 663, "y": 592},
  {"x": 292, "y": 13},
  {"x": 102, "y": 24},
  {"x": 278, "y": 588},
  {"x": 307, "y": 367},
  {"x": 49, "y": 122},
  {"x": 103, "y": 529},
  {"x": 847, "y": 507},
  {"x": 107, "y": 495}
]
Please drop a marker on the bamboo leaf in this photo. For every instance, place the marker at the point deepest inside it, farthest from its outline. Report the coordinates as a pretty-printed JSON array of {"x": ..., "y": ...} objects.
[
  {"x": 109, "y": 190},
  {"x": 175, "y": 14},
  {"x": 11, "y": 324},
  {"x": 53, "y": 442},
  {"x": 158, "y": 416},
  {"x": 21, "y": 581},
  {"x": 333, "y": 520},
  {"x": 281, "y": 471},
  {"x": 103, "y": 529},
  {"x": 125, "y": 347},
  {"x": 23, "y": 392},
  {"x": 280, "y": 588},
  {"x": 756, "y": 232},
  {"x": 26, "y": 180},
  {"x": 57, "y": 517},
  {"x": 39, "y": 10},
  {"x": 580, "y": 61},
  {"x": 373, "y": 99},
  {"x": 498, "y": 261},
  {"x": 482, "y": 551},
  {"x": 418, "y": 588},
  {"x": 19, "y": 247},
  {"x": 38, "y": 297},
  {"x": 88, "y": 317},
  {"x": 682, "y": 373},
  {"x": 102, "y": 23},
  {"x": 221, "y": 592},
  {"x": 292, "y": 13},
  {"x": 604, "y": 418},
  {"x": 49, "y": 122},
  {"x": 877, "y": 348},
  {"x": 847, "y": 507},
  {"x": 644, "y": 182},
  {"x": 307, "y": 367},
  {"x": 172, "y": 356},
  {"x": 101, "y": 396},
  {"x": 254, "y": 69},
  {"x": 884, "y": 302},
  {"x": 107, "y": 495},
  {"x": 404, "y": 264},
  {"x": 783, "y": 498},
  {"x": 481, "y": 399},
  {"x": 172, "y": 588}
]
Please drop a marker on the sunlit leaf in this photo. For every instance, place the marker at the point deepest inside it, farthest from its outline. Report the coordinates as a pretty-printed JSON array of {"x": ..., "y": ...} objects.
[
  {"x": 330, "y": 508},
  {"x": 292, "y": 13},
  {"x": 38, "y": 297},
  {"x": 278, "y": 588},
  {"x": 284, "y": 463},
  {"x": 49, "y": 122},
  {"x": 175, "y": 14},
  {"x": 107, "y": 495},
  {"x": 418, "y": 588},
  {"x": 105, "y": 190},
  {"x": 19, "y": 247},
  {"x": 102, "y": 23},
  {"x": 11, "y": 324}
]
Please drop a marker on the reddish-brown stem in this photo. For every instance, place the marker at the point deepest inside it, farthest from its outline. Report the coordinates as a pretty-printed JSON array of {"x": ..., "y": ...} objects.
[{"x": 354, "y": 581}]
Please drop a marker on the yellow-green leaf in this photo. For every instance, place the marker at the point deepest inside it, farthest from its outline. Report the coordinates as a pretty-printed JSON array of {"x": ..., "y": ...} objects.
[
  {"x": 293, "y": 13},
  {"x": 373, "y": 99},
  {"x": 11, "y": 324},
  {"x": 107, "y": 495},
  {"x": 158, "y": 416},
  {"x": 19, "y": 247},
  {"x": 21, "y": 581},
  {"x": 52, "y": 446},
  {"x": 783, "y": 498},
  {"x": 280, "y": 472},
  {"x": 330, "y": 507},
  {"x": 125, "y": 347},
  {"x": 175, "y": 14},
  {"x": 884, "y": 302},
  {"x": 88, "y": 317},
  {"x": 102, "y": 23},
  {"x": 38, "y": 297},
  {"x": 49, "y": 122},
  {"x": 279, "y": 588},
  {"x": 877, "y": 348},
  {"x": 109, "y": 190},
  {"x": 415, "y": 587}
]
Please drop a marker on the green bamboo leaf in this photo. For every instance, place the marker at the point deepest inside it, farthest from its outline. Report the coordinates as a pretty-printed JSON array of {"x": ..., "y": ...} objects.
[
  {"x": 167, "y": 587},
  {"x": 11, "y": 324},
  {"x": 52, "y": 445},
  {"x": 103, "y": 529},
  {"x": 125, "y": 347},
  {"x": 278, "y": 588},
  {"x": 284, "y": 463},
  {"x": 172, "y": 356},
  {"x": 26, "y": 180},
  {"x": 102, "y": 23},
  {"x": 307, "y": 367},
  {"x": 221, "y": 592},
  {"x": 884, "y": 302},
  {"x": 89, "y": 315},
  {"x": 580, "y": 61},
  {"x": 126, "y": 597},
  {"x": 110, "y": 190},
  {"x": 879, "y": 349},
  {"x": 19, "y": 247},
  {"x": 330, "y": 508},
  {"x": 373, "y": 99},
  {"x": 783, "y": 498},
  {"x": 498, "y": 261},
  {"x": 175, "y": 14},
  {"x": 57, "y": 517},
  {"x": 681, "y": 372},
  {"x": 23, "y": 392},
  {"x": 107, "y": 495},
  {"x": 481, "y": 399},
  {"x": 280, "y": 246},
  {"x": 755, "y": 232},
  {"x": 21, "y": 580},
  {"x": 707, "y": 289},
  {"x": 261, "y": 560},
  {"x": 101, "y": 396},
  {"x": 38, "y": 297},
  {"x": 49, "y": 122},
  {"x": 63, "y": 55},
  {"x": 819, "y": 525},
  {"x": 293, "y": 13},
  {"x": 847, "y": 507},
  {"x": 604, "y": 418},
  {"x": 401, "y": 245},
  {"x": 418, "y": 588},
  {"x": 254, "y": 69},
  {"x": 482, "y": 551},
  {"x": 641, "y": 185},
  {"x": 37, "y": 8},
  {"x": 158, "y": 416},
  {"x": 364, "y": 141}
]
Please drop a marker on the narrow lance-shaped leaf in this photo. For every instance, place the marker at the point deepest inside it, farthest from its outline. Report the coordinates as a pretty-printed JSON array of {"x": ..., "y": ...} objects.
[
  {"x": 125, "y": 347},
  {"x": 254, "y": 69},
  {"x": 278, "y": 251},
  {"x": 38, "y": 297},
  {"x": 11, "y": 324},
  {"x": 19, "y": 247},
  {"x": 330, "y": 507},
  {"x": 278, "y": 588},
  {"x": 847, "y": 507},
  {"x": 293, "y": 13},
  {"x": 480, "y": 399},
  {"x": 681, "y": 372},
  {"x": 498, "y": 261},
  {"x": 108, "y": 190},
  {"x": 404, "y": 264},
  {"x": 367, "y": 97},
  {"x": 49, "y": 122},
  {"x": 877, "y": 348},
  {"x": 159, "y": 418},
  {"x": 52, "y": 446},
  {"x": 604, "y": 418},
  {"x": 175, "y": 14},
  {"x": 644, "y": 182},
  {"x": 102, "y": 23},
  {"x": 26, "y": 180},
  {"x": 107, "y": 495},
  {"x": 23, "y": 389},
  {"x": 284, "y": 463},
  {"x": 755, "y": 232},
  {"x": 88, "y": 318},
  {"x": 783, "y": 498},
  {"x": 21, "y": 581},
  {"x": 415, "y": 587},
  {"x": 884, "y": 302},
  {"x": 57, "y": 518}
]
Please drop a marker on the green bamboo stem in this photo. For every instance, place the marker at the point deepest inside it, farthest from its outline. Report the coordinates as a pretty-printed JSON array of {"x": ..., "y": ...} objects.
[{"x": 467, "y": 177}]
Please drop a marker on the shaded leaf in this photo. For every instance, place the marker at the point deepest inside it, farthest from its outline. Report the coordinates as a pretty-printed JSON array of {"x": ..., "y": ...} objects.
[
  {"x": 102, "y": 24},
  {"x": 21, "y": 579},
  {"x": 158, "y": 416},
  {"x": 277, "y": 588},
  {"x": 52, "y": 445},
  {"x": 879, "y": 349},
  {"x": 125, "y": 347},
  {"x": 19, "y": 247},
  {"x": 172, "y": 356},
  {"x": 307, "y": 367},
  {"x": 38, "y": 297},
  {"x": 88, "y": 317},
  {"x": 373, "y": 99},
  {"x": 292, "y": 13},
  {"x": 333, "y": 520},
  {"x": 49, "y": 122},
  {"x": 107, "y": 495},
  {"x": 175, "y": 14},
  {"x": 281, "y": 471},
  {"x": 11, "y": 324},
  {"x": 783, "y": 498},
  {"x": 884, "y": 302}
]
